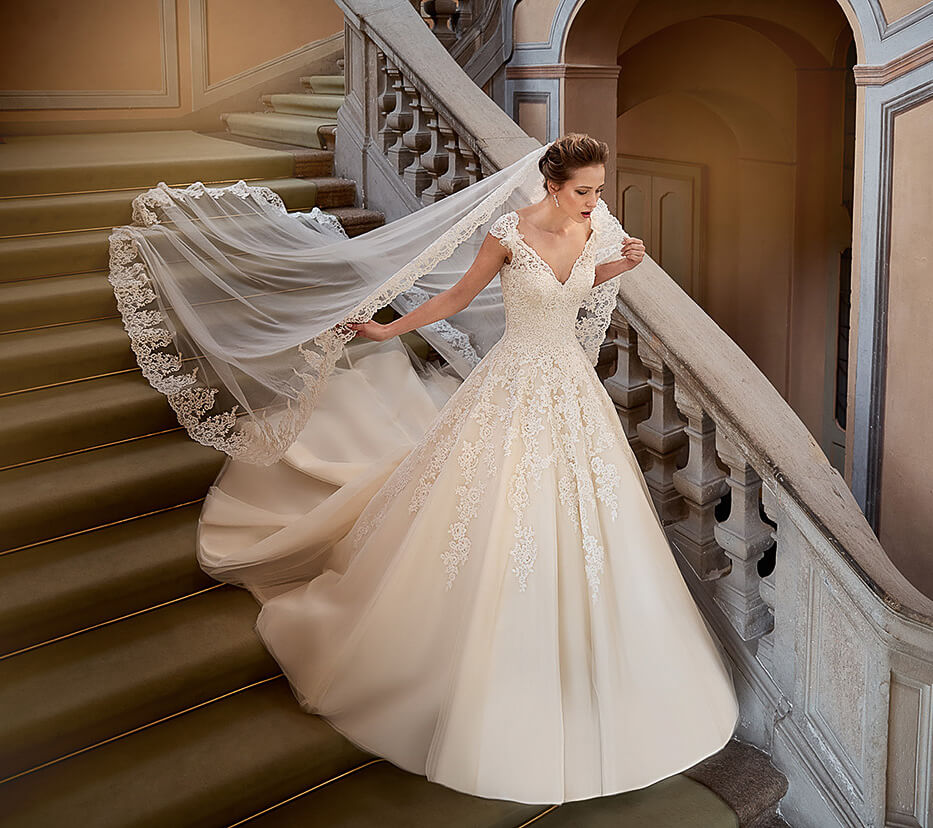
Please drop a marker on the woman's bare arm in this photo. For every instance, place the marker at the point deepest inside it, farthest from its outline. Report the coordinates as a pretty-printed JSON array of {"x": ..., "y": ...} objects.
[{"x": 486, "y": 265}]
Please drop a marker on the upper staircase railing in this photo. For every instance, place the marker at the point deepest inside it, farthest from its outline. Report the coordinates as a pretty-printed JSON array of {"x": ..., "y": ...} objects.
[
  {"x": 832, "y": 646},
  {"x": 470, "y": 30}
]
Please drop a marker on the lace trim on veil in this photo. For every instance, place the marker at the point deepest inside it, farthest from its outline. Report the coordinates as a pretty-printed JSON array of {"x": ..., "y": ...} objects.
[
  {"x": 255, "y": 436},
  {"x": 251, "y": 436}
]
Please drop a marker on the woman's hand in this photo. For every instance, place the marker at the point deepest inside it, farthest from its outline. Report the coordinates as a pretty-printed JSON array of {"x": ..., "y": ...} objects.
[
  {"x": 372, "y": 330},
  {"x": 633, "y": 251}
]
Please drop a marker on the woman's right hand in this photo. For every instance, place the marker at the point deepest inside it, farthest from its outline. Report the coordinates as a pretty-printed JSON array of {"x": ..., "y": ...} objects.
[{"x": 371, "y": 330}]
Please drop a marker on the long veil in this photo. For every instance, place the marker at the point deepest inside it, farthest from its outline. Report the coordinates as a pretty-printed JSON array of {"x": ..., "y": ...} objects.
[{"x": 236, "y": 310}]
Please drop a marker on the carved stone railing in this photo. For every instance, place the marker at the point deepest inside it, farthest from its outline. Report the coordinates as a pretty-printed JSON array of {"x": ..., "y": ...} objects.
[
  {"x": 470, "y": 30},
  {"x": 413, "y": 126},
  {"x": 832, "y": 646}
]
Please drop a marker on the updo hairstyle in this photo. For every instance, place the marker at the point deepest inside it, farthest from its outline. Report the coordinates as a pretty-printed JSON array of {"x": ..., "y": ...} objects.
[{"x": 568, "y": 153}]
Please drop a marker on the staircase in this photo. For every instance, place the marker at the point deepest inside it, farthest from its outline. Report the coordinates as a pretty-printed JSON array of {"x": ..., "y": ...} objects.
[
  {"x": 133, "y": 689},
  {"x": 306, "y": 119}
]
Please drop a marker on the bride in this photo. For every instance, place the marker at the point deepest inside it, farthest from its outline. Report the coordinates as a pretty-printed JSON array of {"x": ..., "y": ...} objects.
[{"x": 461, "y": 569}]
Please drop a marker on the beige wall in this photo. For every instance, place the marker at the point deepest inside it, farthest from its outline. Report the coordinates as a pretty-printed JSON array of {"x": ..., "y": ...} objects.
[
  {"x": 896, "y": 9},
  {"x": 91, "y": 45},
  {"x": 905, "y": 527},
  {"x": 114, "y": 47},
  {"x": 245, "y": 33},
  {"x": 532, "y": 21}
]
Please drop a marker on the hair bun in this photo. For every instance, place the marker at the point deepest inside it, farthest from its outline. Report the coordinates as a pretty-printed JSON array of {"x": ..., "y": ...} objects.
[{"x": 569, "y": 153}]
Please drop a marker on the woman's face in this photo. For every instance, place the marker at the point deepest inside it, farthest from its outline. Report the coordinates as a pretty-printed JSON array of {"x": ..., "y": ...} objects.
[{"x": 578, "y": 196}]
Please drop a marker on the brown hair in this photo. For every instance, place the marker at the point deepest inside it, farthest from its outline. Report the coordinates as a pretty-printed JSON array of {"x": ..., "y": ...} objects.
[{"x": 568, "y": 153}]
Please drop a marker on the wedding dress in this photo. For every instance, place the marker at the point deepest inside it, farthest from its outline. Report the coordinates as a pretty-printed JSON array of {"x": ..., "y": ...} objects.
[
  {"x": 496, "y": 605},
  {"x": 461, "y": 570}
]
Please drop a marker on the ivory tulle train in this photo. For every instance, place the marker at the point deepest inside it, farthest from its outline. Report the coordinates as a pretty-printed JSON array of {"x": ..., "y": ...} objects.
[{"x": 470, "y": 580}]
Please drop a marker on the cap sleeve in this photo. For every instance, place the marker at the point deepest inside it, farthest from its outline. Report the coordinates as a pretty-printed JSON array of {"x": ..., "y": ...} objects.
[{"x": 503, "y": 228}]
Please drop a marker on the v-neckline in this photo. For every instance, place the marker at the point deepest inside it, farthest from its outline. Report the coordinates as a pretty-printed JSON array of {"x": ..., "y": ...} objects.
[{"x": 520, "y": 236}]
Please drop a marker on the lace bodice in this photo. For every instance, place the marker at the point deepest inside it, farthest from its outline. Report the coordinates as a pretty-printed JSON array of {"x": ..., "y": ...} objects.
[
  {"x": 533, "y": 410},
  {"x": 543, "y": 313}
]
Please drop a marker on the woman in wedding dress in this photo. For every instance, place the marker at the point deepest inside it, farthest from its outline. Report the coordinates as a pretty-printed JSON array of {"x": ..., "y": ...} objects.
[{"x": 470, "y": 579}]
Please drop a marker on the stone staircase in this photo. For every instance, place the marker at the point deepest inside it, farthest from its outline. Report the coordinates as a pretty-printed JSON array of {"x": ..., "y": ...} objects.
[
  {"x": 133, "y": 689},
  {"x": 299, "y": 119}
]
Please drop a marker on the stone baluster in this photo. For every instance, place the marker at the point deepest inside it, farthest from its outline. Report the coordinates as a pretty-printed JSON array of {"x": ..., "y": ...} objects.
[
  {"x": 455, "y": 177},
  {"x": 385, "y": 102},
  {"x": 628, "y": 386},
  {"x": 702, "y": 483},
  {"x": 744, "y": 537},
  {"x": 417, "y": 139},
  {"x": 473, "y": 171},
  {"x": 399, "y": 121},
  {"x": 766, "y": 584},
  {"x": 443, "y": 19},
  {"x": 435, "y": 160},
  {"x": 663, "y": 436},
  {"x": 465, "y": 17}
]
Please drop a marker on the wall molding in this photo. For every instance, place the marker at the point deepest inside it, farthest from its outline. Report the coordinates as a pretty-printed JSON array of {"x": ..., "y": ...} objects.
[
  {"x": 886, "y": 29},
  {"x": 205, "y": 93},
  {"x": 868, "y": 75},
  {"x": 165, "y": 97},
  {"x": 868, "y": 419},
  {"x": 563, "y": 70}
]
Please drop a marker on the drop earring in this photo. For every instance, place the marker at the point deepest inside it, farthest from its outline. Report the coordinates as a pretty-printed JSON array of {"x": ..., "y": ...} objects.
[{"x": 555, "y": 199}]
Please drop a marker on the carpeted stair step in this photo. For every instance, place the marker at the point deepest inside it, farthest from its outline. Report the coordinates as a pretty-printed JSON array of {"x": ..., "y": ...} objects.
[
  {"x": 310, "y": 162},
  {"x": 80, "y": 690},
  {"x": 27, "y": 257},
  {"x": 329, "y": 136},
  {"x": 50, "y": 300},
  {"x": 33, "y": 165},
  {"x": 211, "y": 766},
  {"x": 385, "y": 795},
  {"x": 308, "y": 104},
  {"x": 111, "y": 208},
  {"x": 81, "y": 491},
  {"x": 62, "y": 586},
  {"x": 31, "y": 359},
  {"x": 325, "y": 84},
  {"x": 358, "y": 220},
  {"x": 743, "y": 776},
  {"x": 71, "y": 417},
  {"x": 274, "y": 126},
  {"x": 361, "y": 799}
]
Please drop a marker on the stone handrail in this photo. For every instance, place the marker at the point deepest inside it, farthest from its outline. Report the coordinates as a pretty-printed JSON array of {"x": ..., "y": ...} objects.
[
  {"x": 833, "y": 647},
  {"x": 747, "y": 407},
  {"x": 397, "y": 30}
]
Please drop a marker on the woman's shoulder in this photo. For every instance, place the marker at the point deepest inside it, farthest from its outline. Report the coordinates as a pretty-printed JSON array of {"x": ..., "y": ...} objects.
[{"x": 505, "y": 225}]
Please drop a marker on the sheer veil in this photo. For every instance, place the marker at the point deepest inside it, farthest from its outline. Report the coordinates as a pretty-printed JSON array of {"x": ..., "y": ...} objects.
[{"x": 236, "y": 310}]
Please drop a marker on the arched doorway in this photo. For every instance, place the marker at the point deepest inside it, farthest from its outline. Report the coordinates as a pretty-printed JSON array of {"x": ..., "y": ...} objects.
[{"x": 733, "y": 139}]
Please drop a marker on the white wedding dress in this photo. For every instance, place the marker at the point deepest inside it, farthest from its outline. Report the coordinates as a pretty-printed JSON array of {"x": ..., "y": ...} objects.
[{"x": 469, "y": 579}]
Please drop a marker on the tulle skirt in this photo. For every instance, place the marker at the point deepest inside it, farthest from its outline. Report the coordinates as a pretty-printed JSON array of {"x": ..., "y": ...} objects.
[{"x": 534, "y": 693}]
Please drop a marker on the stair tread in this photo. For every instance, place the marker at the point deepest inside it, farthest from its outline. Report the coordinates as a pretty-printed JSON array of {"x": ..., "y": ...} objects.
[
  {"x": 213, "y": 765},
  {"x": 109, "y": 208},
  {"x": 99, "y": 161},
  {"x": 41, "y": 301},
  {"x": 80, "y": 491},
  {"x": 293, "y": 129},
  {"x": 361, "y": 799},
  {"x": 69, "y": 417},
  {"x": 43, "y": 356},
  {"x": 80, "y": 690},
  {"x": 73, "y": 583}
]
